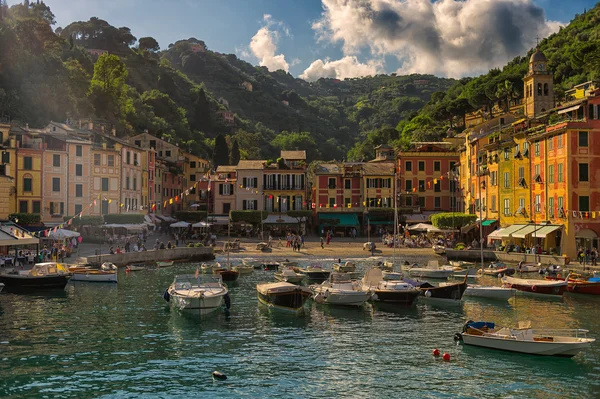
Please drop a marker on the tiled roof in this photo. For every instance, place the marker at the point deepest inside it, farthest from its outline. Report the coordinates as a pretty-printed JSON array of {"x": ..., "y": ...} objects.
[
  {"x": 293, "y": 155},
  {"x": 251, "y": 164},
  {"x": 378, "y": 168},
  {"x": 328, "y": 168},
  {"x": 226, "y": 168}
]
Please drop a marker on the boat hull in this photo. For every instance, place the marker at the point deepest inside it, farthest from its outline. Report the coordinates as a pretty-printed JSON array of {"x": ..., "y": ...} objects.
[
  {"x": 538, "y": 288},
  {"x": 588, "y": 288},
  {"x": 446, "y": 293},
  {"x": 565, "y": 349},
  {"x": 341, "y": 298},
  {"x": 396, "y": 297},
  {"x": 95, "y": 277},
  {"x": 15, "y": 282},
  {"x": 430, "y": 273},
  {"x": 228, "y": 275},
  {"x": 289, "y": 301},
  {"x": 317, "y": 276},
  {"x": 165, "y": 264},
  {"x": 196, "y": 306},
  {"x": 498, "y": 293},
  {"x": 289, "y": 279},
  {"x": 244, "y": 269}
]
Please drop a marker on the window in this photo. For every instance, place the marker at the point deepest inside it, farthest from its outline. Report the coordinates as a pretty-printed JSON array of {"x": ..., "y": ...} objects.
[
  {"x": 583, "y": 139},
  {"x": 386, "y": 183},
  {"x": 56, "y": 160},
  {"x": 437, "y": 203},
  {"x": 127, "y": 157},
  {"x": 538, "y": 203},
  {"x": 51, "y": 208},
  {"x": 27, "y": 184},
  {"x": 56, "y": 184},
  {"x": 347, "y": 184},
  {"x": 408, "y": 166},
  {"x": 437, "y": 166},
  {"x": 138, "y": 143},
  {"x": 536, "y": 148},
  {"x": 135, "y": 159},
  {"x": 521, "y": 206},
  {"x": 127, "y": 183},
  {"x": 545, "y": 89},
  {"x": 421, "y": 166},
  {"x": 135, "y": 183},
  {"x": 422, "y": 202},
  {"x": 23, "y": 207},
  {"x": 551, "y": 174},
  {"x": 521, "y": 172},
  {"x": 37, "y": 207},
  {"x": 331, "y": 202},
  {"x": 409, "y": 186},
  {"x": 559, "y": 141},
  {"x": 152, "y": 144},
  {"x": 536, "y": 173},
  {"x": 192, "y": 177},
  {"x": 105, "y": 184},
  {"x": 539, "y": 89},
  {"x": 409, "y": 201},
  {"x": 493, "y": 178},
  {"x": 583, "y": 172},
  {"x": 584, "y": 203},
  {"x": 79, "y": 190},
  {"x": 437, "y": 187},
  {"x": 27, "y": 163},
  {"x": 347, "y": 203},
  {"x": 78, "y": 151},
  {"x": 78, "y": 208},
  {"x": 331, "y": 183},
  {"x": 550, "y": 142},
  {"x": 506, "y": 154},
  {"x": 525, "y": 148},
  {"x": 78, "y": 170},
  {"x": 506, "y": 206},
  {"x": 551, "y": 207},
  {"x": 493, "y": 205},
  {"x": 506, "y": 179},
  {"x": 111, "y": 160},
  {"x": 167, "y": 153},
  {"x": 97, "y": 159},
  {"x": 560, "y": 173},
  {"x": 421, "y": 185},
  {"x": 226, "y": 189},
  {"x": 560, "y": 205}
]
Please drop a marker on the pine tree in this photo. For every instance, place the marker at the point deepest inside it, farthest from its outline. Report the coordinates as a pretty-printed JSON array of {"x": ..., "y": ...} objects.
[
  {"x": 221, "y": 152},
  {"x": 234, "y": 157}
]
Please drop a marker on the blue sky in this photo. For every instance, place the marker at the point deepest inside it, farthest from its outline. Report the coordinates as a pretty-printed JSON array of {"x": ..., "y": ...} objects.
[{"x": 342, "y": 38}]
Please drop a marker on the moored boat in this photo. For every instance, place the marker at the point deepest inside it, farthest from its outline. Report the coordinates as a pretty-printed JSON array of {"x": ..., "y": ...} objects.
[
  {"x": 489, "y": 292},
  {"x": 432, "y": 270},
  {"x": 469, "y": 273},
  {"x": 197, "y": 294},
  {"x": 316, "y": 273},
  {"x": 461, "y": 264},
  {"x": 524, "y": 339},
  {"x": 449, "y": 292},
  {"x": 283, "y": 296},
  {"x": 227, "y": 274},
  {"x": 392, "y": 276},
  {"x": 165, "y": 263},
  {"x": 94, "y": 275},
  {"x": 395, "y": 292},
  {"x": 339, "y": 289},
  {"x": 256, "y": 264},
  {"x": 244, "y": 269},
  {"x": 136, "y": 267},
  {"x": 270, "y": 266},
  {"x": 498, "y": 269},
  {"x": 528, "y": 267},
  {"x": 542, "y": 288},
  {"x": 289, "y": 275},
  {"x": 346, "y": 267},
  {"x": 439, "y": 249},
  {"x": 48, "y": 275}
]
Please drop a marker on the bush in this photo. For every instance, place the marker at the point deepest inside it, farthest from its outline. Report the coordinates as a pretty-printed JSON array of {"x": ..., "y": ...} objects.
[
  {"x": 198, "y": 245},
  {"x": 252, "y": 217},
  {"x": 451, "y": 220},
  {"x": 124, "y": 218},
  {"x": 191, "y": 216},
  {"x": 25, "y": 219},
  {"x": 460, "y": 246}
]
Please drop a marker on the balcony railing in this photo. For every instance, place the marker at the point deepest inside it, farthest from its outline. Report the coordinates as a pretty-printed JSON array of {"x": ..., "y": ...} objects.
[{"x": 282, "y": 187}]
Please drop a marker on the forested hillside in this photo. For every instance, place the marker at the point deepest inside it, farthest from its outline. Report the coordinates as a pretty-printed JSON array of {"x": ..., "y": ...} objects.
[{"x": 49, "y": 73}]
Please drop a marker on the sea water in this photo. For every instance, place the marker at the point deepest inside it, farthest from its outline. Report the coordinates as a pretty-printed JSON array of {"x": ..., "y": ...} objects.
[{"x": 122, "y": 341}]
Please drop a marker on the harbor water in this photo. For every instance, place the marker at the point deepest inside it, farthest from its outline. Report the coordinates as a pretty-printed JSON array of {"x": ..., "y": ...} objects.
[{"x": 122, "y": 341}]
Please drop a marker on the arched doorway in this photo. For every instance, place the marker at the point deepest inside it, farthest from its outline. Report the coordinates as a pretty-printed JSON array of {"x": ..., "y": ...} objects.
[{"x": 586, "y": 238}]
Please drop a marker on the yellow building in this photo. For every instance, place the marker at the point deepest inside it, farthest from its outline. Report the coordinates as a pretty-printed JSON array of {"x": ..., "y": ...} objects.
[
  {"x": 538, "y": 87},
  {"x": 284, "y": 183},
  {"x": 29, "y": 172},
  {"x": 7, "y": 171}
]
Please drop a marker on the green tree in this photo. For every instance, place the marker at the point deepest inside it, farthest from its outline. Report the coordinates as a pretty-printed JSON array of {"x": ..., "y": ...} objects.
[
  {"x": 108, "y": 90},
  {"x": 220, "y": 152},
  {"x": 148, "y": 44},
  {"x": 234, "y": 157}
]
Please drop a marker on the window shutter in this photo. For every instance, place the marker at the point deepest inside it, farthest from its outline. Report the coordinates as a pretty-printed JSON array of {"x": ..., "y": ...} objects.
[
  {"x": 230, "y": 188},
  {"x": 302, "y": 182},
  {"x": 264, "y": 181},
  {"x": 244, "y": 207},
  {"x": 244, "y": 185},
  {"x": 255, "y": 204},
  {"x": 255, "y": 180},
  {"x": 220, "y": 189}
]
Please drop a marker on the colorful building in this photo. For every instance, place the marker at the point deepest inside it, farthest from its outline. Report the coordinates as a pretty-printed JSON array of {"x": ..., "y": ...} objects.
[
  {"x": 249, "y": 191},
  {"x": 223, "y": 190},
  {"x": 284, "y": 183},
  {"x": 29, "y": 174},
  {"x": 7, "y": 172}
]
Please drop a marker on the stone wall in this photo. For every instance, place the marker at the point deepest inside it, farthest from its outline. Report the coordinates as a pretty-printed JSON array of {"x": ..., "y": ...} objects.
[{"x": 152, "y": 256}]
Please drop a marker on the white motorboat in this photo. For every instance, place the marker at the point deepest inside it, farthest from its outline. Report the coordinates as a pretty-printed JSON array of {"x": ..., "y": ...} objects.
[
  {"x": 256, "y": 264},
  {"x": 439, "y": 249},
  {"x": 524, "y": 339},
  {"x": 289, "y": 275},
  {"x": 244, "y": 269},
  {"x": 339, "y": 289},
  {"x": 461, "y": 264},
  {"x": 136, "y": 267},
  {"x": 283, "y": 296},
  {"x": 209, "y": 268},
  {"x": 345, "y": 267},
  {"x": 198, "y": 294},
  {"x": 528, "y": 267},
  {"x": 470, "y": 273},
  {"x": 385, "y": 291},
  {"x": 490, "y": 292},
  {"x": 106, "y": 274},
  {"x": 392, "y": 276},
  {"x": 108, "y": 266},
  {"x": 433, "y": 270},
  {"x": 165, "y": 263}
]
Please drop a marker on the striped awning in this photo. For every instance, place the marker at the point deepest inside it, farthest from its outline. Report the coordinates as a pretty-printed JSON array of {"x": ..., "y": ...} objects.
[
  {"x": 545, "y": 230},
  {"x": 508, "y": 231},
  {"x": 573, "y": 108},
  {"x": 525, "y": 231}
]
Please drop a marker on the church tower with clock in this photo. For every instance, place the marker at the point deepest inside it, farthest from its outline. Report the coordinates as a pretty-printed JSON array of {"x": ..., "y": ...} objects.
[{"x": 539, "y": 93}]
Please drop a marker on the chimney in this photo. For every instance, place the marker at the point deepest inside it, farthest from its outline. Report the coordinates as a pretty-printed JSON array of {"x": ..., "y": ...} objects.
[
  {"x": 114, "y": 132},
  {"x": 90, "y": 125}
]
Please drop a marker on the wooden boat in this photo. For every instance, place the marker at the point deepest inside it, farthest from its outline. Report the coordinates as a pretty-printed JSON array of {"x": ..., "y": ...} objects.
[
  {"x": 528, "y": 267},
  {"x": 578, "y": 285},
  {"x": 283, "y": 296},
  {"x": 165, "y": 263},
  {"x": 543, "y": 288},
  {"x": 432, "y": 270},
  {"x": 94, "y": 275},
  {"x": 489, "y": 292},
  {"x": 227, "y": 274},
  {"x": 197, "y": 294},
  {"x": 340, "y": 290},
  {"x": 46, "y": 275},
  {"x": 289, "y": 275},
  {"x": 449, "y": 292},
  {"x": 524, "y": 339},
  {"x": 243, "y": 269},
  {"x": 439, "y": 249},
  {"x": 395, "y": 292},
  {"x": 136, "y": 267},
  {"x": 316, "y": 273},
  {"x": 498, "y": 269}
]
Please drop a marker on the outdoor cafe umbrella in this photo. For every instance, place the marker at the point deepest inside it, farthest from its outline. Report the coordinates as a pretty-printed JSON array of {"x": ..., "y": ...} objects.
[
  {"x": 181, "y": 224},
  {"x": 61, "y": 234},
  {"x": 424, "y": 227}
]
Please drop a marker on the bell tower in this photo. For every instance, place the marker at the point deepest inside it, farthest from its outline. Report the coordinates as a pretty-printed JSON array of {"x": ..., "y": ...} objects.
[{"x": 537, "y": 84}]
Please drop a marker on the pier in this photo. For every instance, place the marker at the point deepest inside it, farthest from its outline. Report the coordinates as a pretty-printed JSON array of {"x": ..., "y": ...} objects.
[{"x": 152, "y": 256}]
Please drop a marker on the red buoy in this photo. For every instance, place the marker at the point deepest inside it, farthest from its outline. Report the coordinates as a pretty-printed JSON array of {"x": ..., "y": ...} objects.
[
  {"x": 436, "y": 352},
  {"x": 446, "y": 357}
]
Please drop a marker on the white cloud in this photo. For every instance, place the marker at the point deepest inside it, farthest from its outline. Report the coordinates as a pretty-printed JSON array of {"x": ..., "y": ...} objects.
[
  {"x": 263, "y": 45},
  {"x": 445, "y": 37},
  {"x": 347, "y": 67}
]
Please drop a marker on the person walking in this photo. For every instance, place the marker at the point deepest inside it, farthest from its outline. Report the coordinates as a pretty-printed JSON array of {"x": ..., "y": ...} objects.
[{"x": 322, "y": 243}]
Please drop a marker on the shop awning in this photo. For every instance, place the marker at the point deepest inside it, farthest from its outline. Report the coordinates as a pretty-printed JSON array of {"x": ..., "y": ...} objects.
[
  {"x": 495, "y": 235},
  {"x": 573, "y": 108},
  {"x": 525, "y": 231},
  {"x": 344, "y": 219},
  {"x": 488, "y": 222},
  {"x": 508, "y": 231},
  {"x": 282, "y": 219},
  {"x": 543, "y": 231},
  {"x": 218, "y": 219},
  {"x": 374, "y": 220},
  {"x": 416, "y": 218}
]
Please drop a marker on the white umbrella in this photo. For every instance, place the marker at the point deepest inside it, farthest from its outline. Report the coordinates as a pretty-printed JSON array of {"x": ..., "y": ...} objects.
[
  {"x": 424, "y": 227},
  {"x": 62, "y": 233},
  {"x": 180, "y": 224},
  {"x": 194, "y": 205},
  {"x": 201, "y": 224}
]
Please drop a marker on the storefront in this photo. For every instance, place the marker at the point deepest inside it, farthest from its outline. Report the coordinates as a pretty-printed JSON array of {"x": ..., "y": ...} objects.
[
  {"x": 586, "y": 239},
  {"x": 342, "y": 224}
]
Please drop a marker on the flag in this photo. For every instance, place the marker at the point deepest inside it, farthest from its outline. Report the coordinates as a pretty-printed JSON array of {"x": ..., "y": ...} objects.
[
  {"x": 94, "y": 202},
  {"x": 121, "y": 205},
  {"x": 435, "y": 181},
  {"x": 110, "y": 201},
  {"x": 171, "y": 201},
  {"x": 153, "y": 206},
  {"x": 227, "y": 180},
  {"x": 349, "y": 204},
  {"x": 414, "y": 189},
  {"x": 164, "y": 205},
  {"x": 428, "y": 184},
  {"x": 105, "y": 199}
]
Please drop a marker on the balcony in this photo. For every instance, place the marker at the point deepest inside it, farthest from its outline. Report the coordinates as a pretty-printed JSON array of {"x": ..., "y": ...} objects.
[{"x": 281, "y": 187}]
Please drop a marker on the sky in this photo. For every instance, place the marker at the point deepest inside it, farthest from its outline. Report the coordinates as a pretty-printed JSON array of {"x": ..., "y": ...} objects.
[{"x": 342, "y": 38}]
